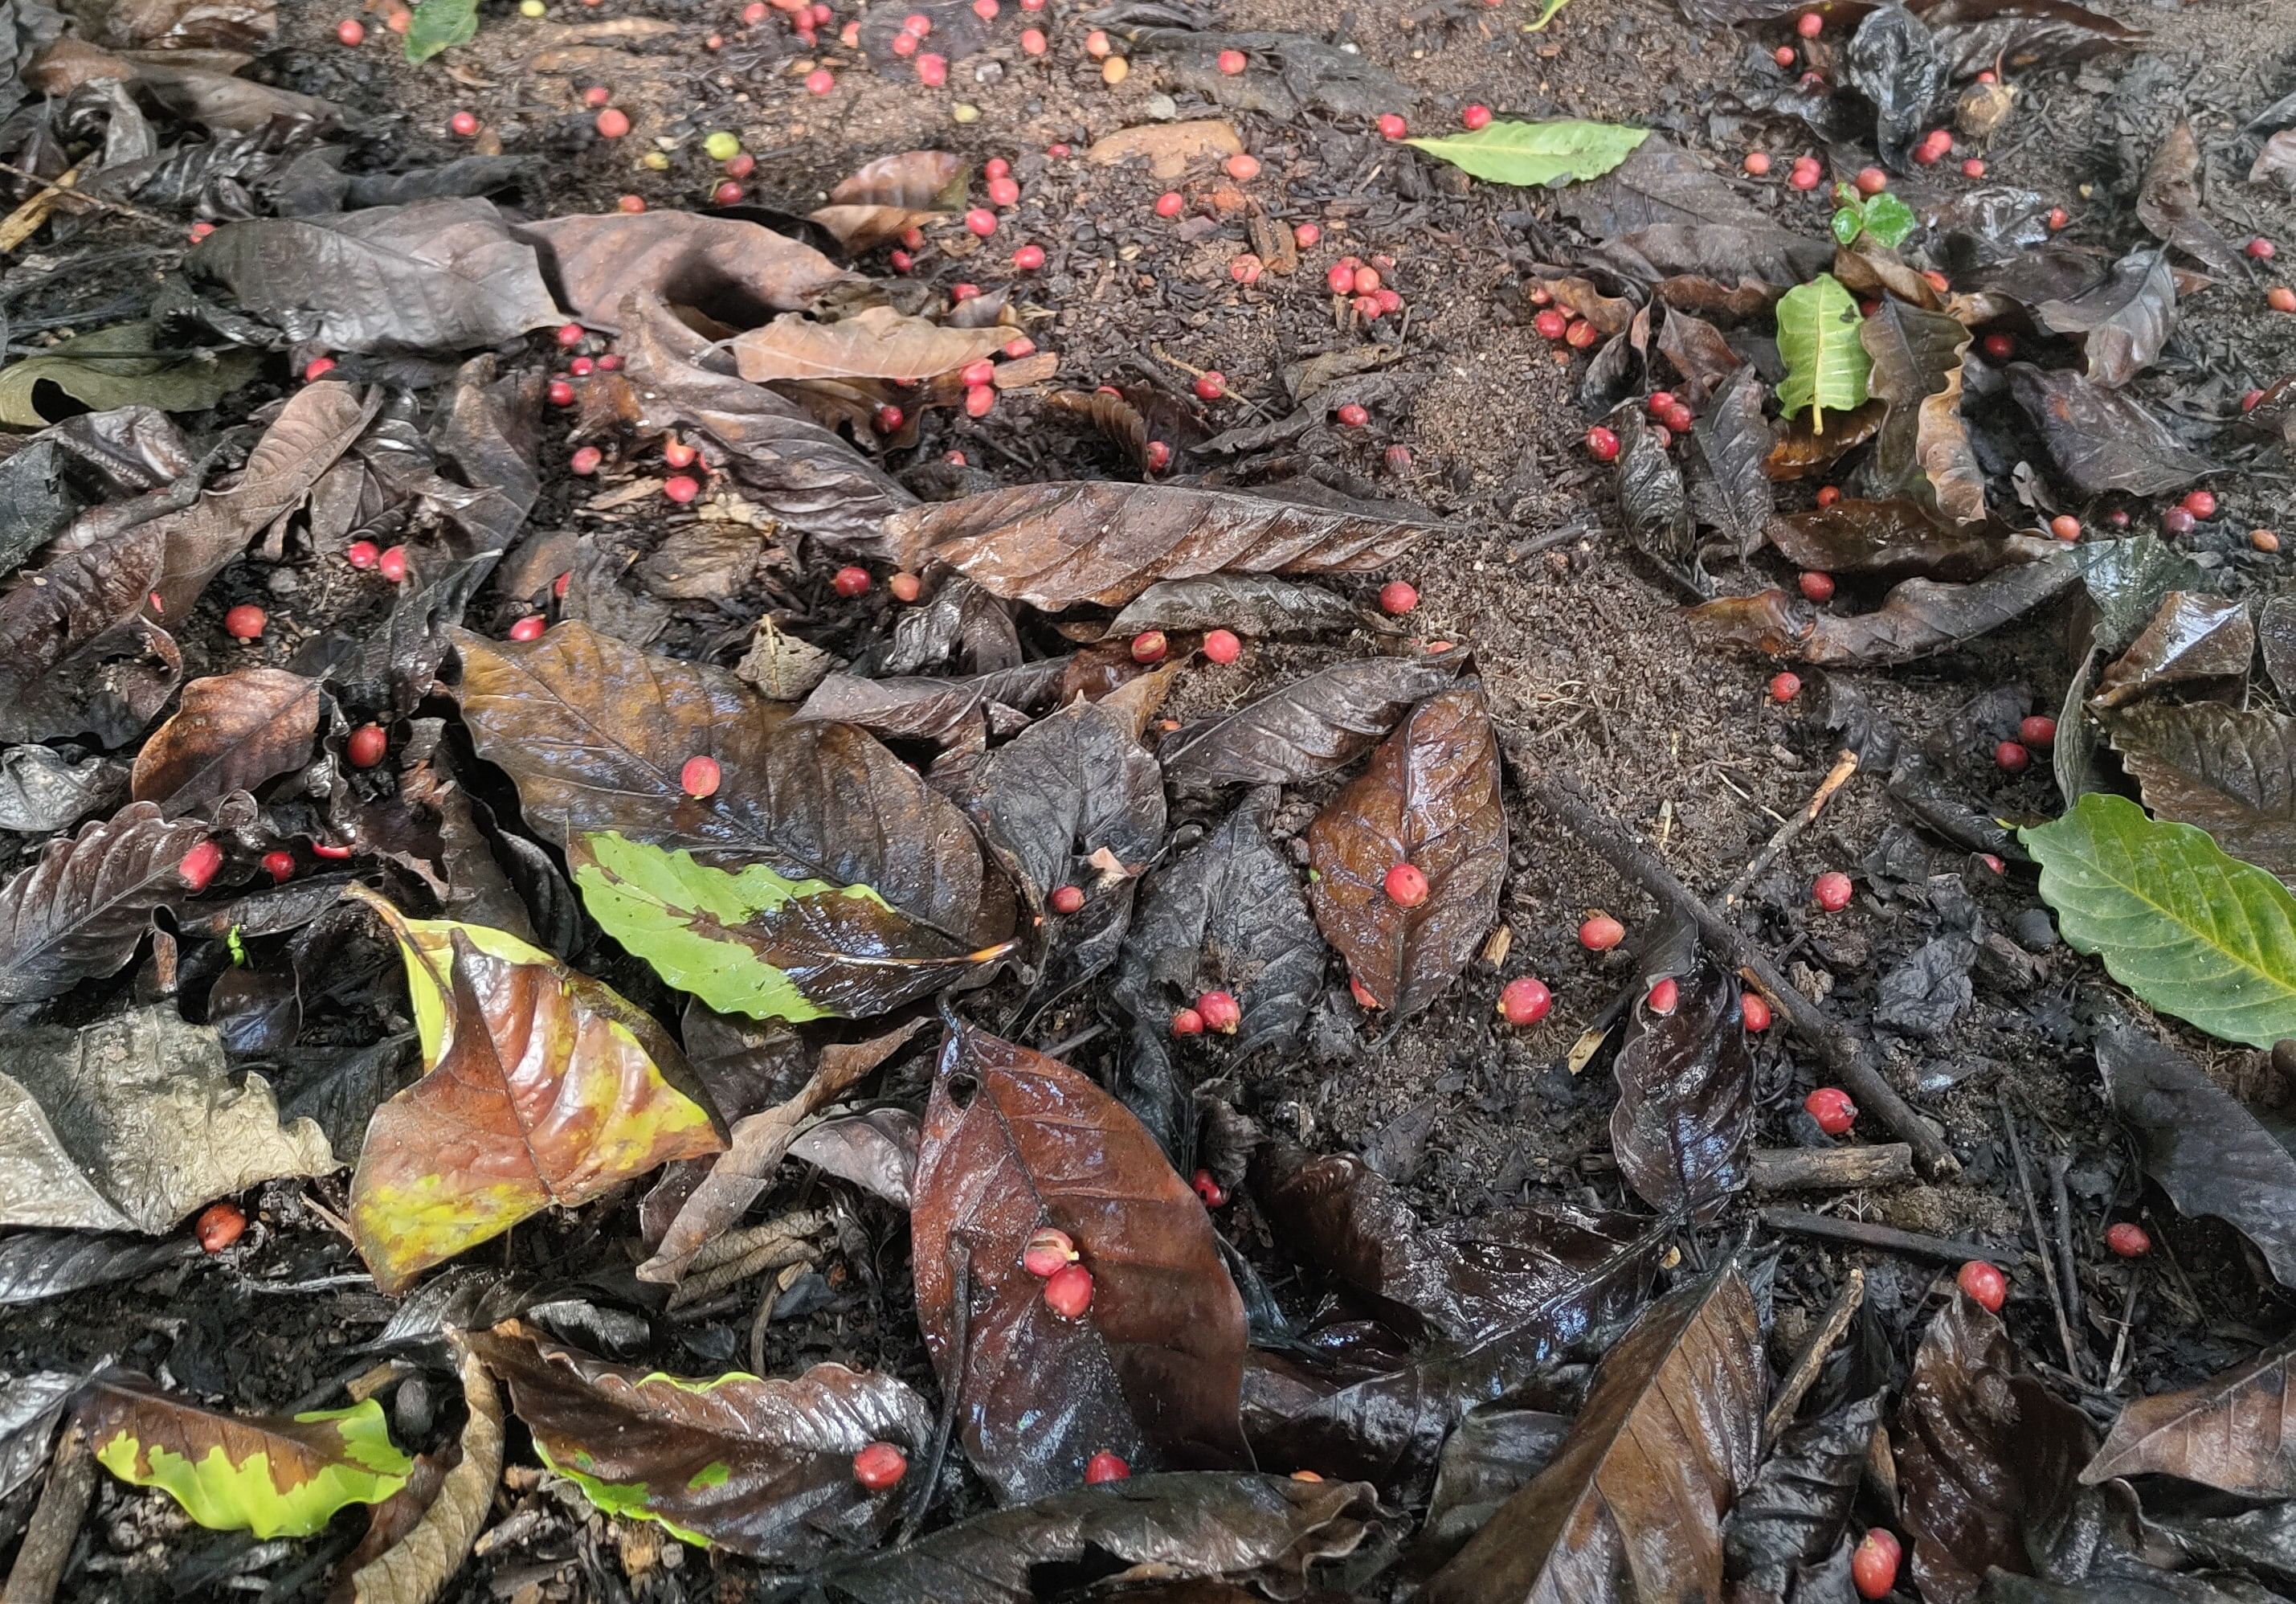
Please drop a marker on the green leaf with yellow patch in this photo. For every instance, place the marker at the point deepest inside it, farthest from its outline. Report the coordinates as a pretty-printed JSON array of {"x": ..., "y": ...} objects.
[
  {"x": 754, "y": 941},
  {"x": 1826, "y": 364},
  {"x": 543, "y": 1087},
  {"x": 763, "y": 1467},
  {"x": 274, "y": 1476}
]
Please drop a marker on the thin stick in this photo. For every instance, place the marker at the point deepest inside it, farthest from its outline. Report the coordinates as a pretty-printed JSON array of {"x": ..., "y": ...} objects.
[
  {"x": 2040, "y": 1237},
  {"x": 2060, "y": 1201},
  {"x": 959, "y": 1252},
  {"x": 1847, "y": 1057},
  {"x": 1789, "y": 832},
  {"x": 65, "y": 191},
  {"x": 1806, "y": 1367},
  {"x": 1887, "y": 1239},
  {"x": 1832, "y": 1168},
  {"x": 2121, "y": 1342},
  {"x": 48, "y": 1542}
]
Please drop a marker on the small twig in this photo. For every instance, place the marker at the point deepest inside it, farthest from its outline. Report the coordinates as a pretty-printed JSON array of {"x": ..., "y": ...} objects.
[
  {"x": 2061, "y": 1200},
  {"x": 1812, "y": 1358},
  {"x": 1062, "y": 1049},
  {"x": 960, "y": 1251},
  {"x": 2040, "y": 1236},
  {"x": 65, "y": 191},
  {"x": 764, "y": 1317},
  {"x": 1791, "y": 831},
  {"x": 1847, "y": 1057},
  {"x": 2121, "y": 1342},
  {"x": 48, "y": 1541},
  {"x": 1887, "y": 1239},
  {"x": 1832, "y": 1168}
]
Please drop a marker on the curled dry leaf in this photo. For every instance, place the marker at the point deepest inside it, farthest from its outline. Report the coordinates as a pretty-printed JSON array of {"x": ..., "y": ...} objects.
[
  {"x": 416, "y": 1568},
  {"x": 1917, "y": 618},
  {"x": 231, "y": 733},
  {"x": 2232, "y": 771},
  {"x": 1986, "y": 1457},
  {"x": 1151, "y": 1372},
  {"x": 1924, "y": 449},
  {"x": 762, "y": 1467},
  {"x": 1053, "y": 545},
  {"x": 876, "y": 1151},
  {"x": 2126, "y": 320},
  {"x": 1731, "y": 440},
  {"x": 2192, "y": 636},
  {"x": 2169, "y": 204},
  {"x": 1699, "y": 353},
  {"x": 1898, "y": 536},
  {"x": 928, "y": 180},
  {"x": 2232, "y": 1433},
  {"x": 133, "y": 1122},
  {"x": 876, "y": 342},
  {"x": 1974, "y": 35},
  {"x": 736, "y": 272},
  {"x": 1656, "y": 504},
  {"x": 1671, "y": 1435},
  {"x": 541, "y": 1086},
  {"x": 1249, "y": 603},
  {"x": 1431, "y": 799},
  {"x": 1310, "y": 728},
  {"x": 1894, "y": 63},
  {"x": 919, "y": 709},
  {"x": 77, "y": 657},
  {"x": 1686, "y": 1109},
  {"x": 269, "y": 1475},
  {"x": 43, "y": 790},
  {"x": 80, "y": 912},
  {"x": 2103, "y": 439},
  {"x": 1801, "y": 450}
]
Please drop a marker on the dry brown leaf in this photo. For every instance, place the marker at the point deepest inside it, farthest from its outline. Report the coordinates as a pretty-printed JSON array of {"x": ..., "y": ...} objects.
[
  {"x": 1169, "y": 146},
  {"x": 231, "y": 733},
  {"x": 735, "y": 271},
  {"x": 877, "y": 342},
  {"x": 417, "y": 1567}
]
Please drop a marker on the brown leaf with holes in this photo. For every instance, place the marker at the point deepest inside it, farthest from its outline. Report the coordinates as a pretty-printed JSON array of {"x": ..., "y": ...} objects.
[
  {"x": 1153, "y": 1371},
  {"x": 2232, "y": 1432},
  {"x": 1429, "y": 799},
  {"x": 1917, "y": 619},
  {"x": 231, "y": 733},
  {"x": 876, "y": 342},
  {"x": 736, "y": 272}
]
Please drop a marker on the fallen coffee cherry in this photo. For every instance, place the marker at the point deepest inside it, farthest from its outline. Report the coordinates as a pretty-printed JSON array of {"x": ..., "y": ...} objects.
[
  {"x": 1664, "y": 996},
  {"x": 1872, "y": 180},
  {"x": 1222, "y": 646},
  {"x": 1361, "y": 993},
  {"x": 1757, "y": 163},
  {"x": 2012, "y": 757},
  {"x": 280, "y": 866},
  {"x": 1476, "y": 117},
  {"x": 699, "y": 776},
  {"x": 351, "y": 32},
  {"x": 850, "y": 581},
  {"x": 1806, "y": 174},
  {"x": 2037, "y": 730},
  {"x": 317, "y": 368},
  {"x": 821, "y": 80},
  {"x": 681, "y": 489},
  {"x": 2261, "y": 249},
  {"x": 529, "y": 628},
  {"x": 1550, "y": 324},
  {"x": 1810, "y": 25},
  {"x": 1785, "y": 686},
  {"x": 1187, "y": 1022},
  {"x": 676, "y": 454},
  {"x": 1168, "y": 203},
  {"x": 1028, "y": 259},
  {"x": 1232, "y": 61},
  {"x": 1105, "y": 1466},
  {"x": 2200, "y": 504},
  {"x": 1754, "y": 1012},
  {"x": 1987, "y": 1287},
  {"x": 1581, "y": 335},
  {"x": 1999, "y": 347},
  {"x": 1832, "y": 1108},
  {"x": 219, "y": 1226},
  {"x": 1601, "y": 932},
  {"x": 1066, "y": 899},
  {"x": 1830, "y": 891},
  {"x": 584, "y": 460},
  {"x": 1602, "y": 444},
  {"x": 1874, "y": 1565},
  {"x": 464, "y": 123},
  {"x": 1397, "y": 599},
  {"x": 1150, "y": 646},
  {"x": 2065, "y": 527},
  {"x": 1405, "y": 885},
  {"x": 1068, "y": 1291},
  {"x": 2128, "y": 1238},
  {"x": 1211, "y": 385},
  {"x": 200, "y": 865},
  {"x": 561, "y": 392},
  {"x": 244, "y": 622},
  {"x": 981, "y": 221},
  {"x": 1353, "y": 414},
  {"x": 1209, "y": 1189},
  {"x": 1219, "y": 1011},
  {"x": 1525, "y": 1001},
  {"x": 612, "y": 123},
  {"x": 1243, "y": 167},
  {"x": 2176, "y": 520},
  {"x": 1049, "y": 1250},
  {"x": 1784, "y": 55},
  {"x": 361, "y": 553},
  {"x": 1816, "y": 586},
  {"x": 1392, "y": 127},
  {"x": 2280, "y": 298},
  {"x": 880, "y": 1466},
  {"x": 366, "y": 745}
]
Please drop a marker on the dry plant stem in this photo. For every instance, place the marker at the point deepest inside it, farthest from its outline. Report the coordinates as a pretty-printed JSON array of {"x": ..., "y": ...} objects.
[
  {"x": 2061, "y": 1200},
  {"x": 2121, "y": 1342},
  {"x": 58, "y": 191},
  {"x": 2040, "y": 1239},
  {"x": 1887, "y": 1239},
  {"x": 1789, "y": 832},
  {"x": 48, "y": 1541},
  {"x": 1846, "y": 1056},
  {"x": 960, "y": 1256},
  {"x": 1813, "y": 1356},
  {"x": 1832, "y": 1168},
  {"x": 764, "y": 1317}
]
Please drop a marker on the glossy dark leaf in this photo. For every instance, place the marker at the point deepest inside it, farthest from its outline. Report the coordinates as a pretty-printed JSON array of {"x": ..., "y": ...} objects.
[
  {"x": 1658, "y": 185},
  {"x": 1671, "y": 1435},
  {"x": 76, "y": 655},
  {"x": 1699, "y": 353},
  {"x": 1898, "y": 536},
  {"x": 2121, "y": 1579},
  {"x": 917, "y": 709},
  {"x": 736, "y": 272},
  {"x": 1686, "y": 1109},
  {"x": 1251, "y": 605},
  {"x": 2169, "y": 204},
  {"x": 39, "y": 1264},
  {"x": 1795, "y": 1512},
  {"x": 2021, "y": 34},
  {"x": 31, "y": 1407},
  {"x": 434, "y": 276},
  {"x": 1656, "y": 504},
  {"x": 876, "y": 1151},
  {"x": 1917, "y": 619},
  {"x": 2208, "y": 1152},
  {"x": 1266, "y": 1527},
  {"x": 2262, "y": 1541},
  {"x": 1055, "y": 544},
  {"x": 1894, "y": 63},
  {"x": 2127, "y": 581},
  {"x": 596, "y": 735},
  {"x": 2232, "y": 1432},
  {"x": 2126, "y": 320},
  {"x": 1308, "y": 728},
  {"x": 2192, "y": 636},
  {"x": 2102, "y": 440},
  {"x": 231, "y": 733},
  {"x": 2276, "y": 635},
  {"x": 1924, "y": 450},
  {"x": 1430, "y": 798},
  {"x": 2230, "y": 770},
  {"x": 80, "y": 912},
  {"x": 1986, "y": 1457},
  {"x": 42, "y": 790},
  {"x": 1494, "y": 1453},
  {"x": 1153, "y": 1371},
  {"x": 1731, "y": 442},
  {"x": 762, "y": 1467}
]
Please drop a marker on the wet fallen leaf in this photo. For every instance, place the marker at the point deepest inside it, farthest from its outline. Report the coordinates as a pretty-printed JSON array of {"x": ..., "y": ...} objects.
[
  {"x": 1797, "y": 1510},
  {"x": 1055, "y": 544},
  {"x": 1917, "y": 618},
  {"x": 269, "y": 1475},
  {"x": 2169, "y": 204},
  {"x": 2277, "y": 161},
  {"x": 433, "y": 275},
  {"x": 1313, "y": 727},
  {"x": 918, "y": 709},
  {"x": 1686, "y": 1109},
  {"x": 1656, "y": 504},
  {"x": 1495, "y": 1452},
  {"x": 541, "y": 1087},
  {"x": 77, "y": 656},
  {"x": 1699, "y": 353},
  {"x": 109, "y": 367},
  {"x": 2127, "y": 582},
  {"x": 43, "y": 790},
  {"x": 1973, "y": 35},
  {"x": 1731, "y": 442},
  {"x": 31, "y": 1407},
  {"x": 2126, "y": 320},
  {"x": 231, "y": 733},
  {"x": 1819, "y": 340},
  {"x": 2231, "y": 1432},
  {"x": 1986, "y": 1457},
  {"x": 1262, "y": 1527},
  {"x": 1924, "y": 449},
  {"x": 80, "y": 912},
  {"x": 416, "y": 1567},
  {"x": 1251, "y": 605},
  {"x": 924, "y": 180},
  {"x": 1429, "y": 799},
  {"x": 133, "y": 1122},
  {"x": 2192, "y": 636},
  {"x": 1152, "y": 1369},
  {"x": 1898, "y": 536},
  {"x": 736, "y": 273},
  {"x": 2231, "y": 771},
  {"x": 1536, "y": 155},
  {"x": 596, "y": 735},
  {"x": 2103, "y": 439},
  {"x": 1894, "y": 63},
  {"x": 762, "y": 1467},
  {"x": 2205, "y": 1148},
  {"x": 1671, "y": 1435},
  {"x": 1800, "y": 451},
  {"x": 785, "y": 669},
  {"x": 36, "y": 1265},
  {"x": 876, "y": 342}
]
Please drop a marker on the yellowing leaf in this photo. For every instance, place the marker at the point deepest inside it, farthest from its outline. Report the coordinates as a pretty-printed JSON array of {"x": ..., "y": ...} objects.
[
  {"x": 1826, "y": 364},
  {"x": 545, "y": 1087},
  {"x": 270, "y": 1474}
]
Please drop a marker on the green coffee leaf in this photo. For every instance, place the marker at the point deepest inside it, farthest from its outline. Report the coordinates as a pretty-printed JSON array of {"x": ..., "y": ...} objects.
[
  {"x": 755, "y": 943},
  {"x": 1848, "y": 223},
  {"x": 439, "y": 24},
  {"x": 2191, "y": 931},
  {"x": 1888, "y": 219},
  {"x": 1547, "y": 13},
  {"x": 1826, "y": 364},
  {"x": 1534, "y": 153}
]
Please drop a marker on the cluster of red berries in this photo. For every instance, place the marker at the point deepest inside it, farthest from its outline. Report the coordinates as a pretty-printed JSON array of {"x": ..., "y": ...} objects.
[
  {"x": 1213, "y": 1011},
  {"x": 1558, "y": 325},
  {"x": 1051, "y": 1256},
  {"x": 1365, "y": 287},
  {"x": 2038, "y": 732}
]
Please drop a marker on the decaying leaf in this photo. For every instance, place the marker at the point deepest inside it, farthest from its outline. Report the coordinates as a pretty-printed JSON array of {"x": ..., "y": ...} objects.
[
  {"x": 541, "y": 1087},
  {"x": 76, "y": 655},
  {"x": 876, "y": 342},
  {"x": 876, "y": 1151},
  {"x": 1053, "y": 545},
  {"x": 2232, "y": 1432},
  {"x": 1429, "y": 799},
  {"x": 109, "y": 367},
  {"x": 1310, "y": 728},
  {"x": 1670, "y": 1433},
  {"x": 1924, "y": 449},
  {"x": 1916, "y": 619},
  {"x": 1974, "y": 35},
  {"x": 2168, "y": 203},
  {"x": 133, "y": 1122},
  {"x": 1894, "y": 63},
  {"x": 80, "y": 912},
  {"x": 1898, "y": 536},
  {"x": 267, "y": 1474},
  {"x": 1686, "y": 1109},
  {"x": 1732, "y": 438},
  {"x": 2103, "y": 439},
  {"x": 1800, "y": 451},
  {"x": 2232, "y": 771},
  {"x": 231, "y": 733},
  {"x": 1656, "y": 504},
  {"x": 1250, "y": 604},
  {"x": 2126, "y": 320},
  {"x": 762, "y": 1467},
  {"x": 43, "y": 790},
  {"x": 1014, "y": 1141},
  {"x": 1796, "y": 1511},
  {"x": 416, "y": 1568},
  {"x": 2194, "y": 636},
  {"x": 736, "y": 272}
]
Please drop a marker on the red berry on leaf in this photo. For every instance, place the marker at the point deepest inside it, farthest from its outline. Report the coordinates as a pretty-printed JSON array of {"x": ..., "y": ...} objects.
[
  {"x": 361, "y": 553},
  {"x": 1476, "y": 117},
  {"x": 1187, "y": 1022},
  {"x": 1049, "y": 1250},
  {"x": 244, "y": 623},
  {"x": 1817, "y": 586},
  {"x": 529, "y": 628},
  {"x": 1220, "y": 1012},
  {"x": 1525, "y": 1001},
  {"x": 2128, "y": 1238},
  {"x": 1665, "y": 996},
  {"x": 1785, "y": 686},
  {"x": 1405, "y": 887},
  {"x": 1066, "y": 899},
  {"x": 219, "y": 1226},
  {"x": 200, "y": 865},
  {"x": 1602, "y": 444},
  {"x": 1873, "y": 1566},
  {"x": 1150, "y": 646},
  {"x": 1222, "y": 646},
  {"x": 1105, "y": 1466},
  {"x": 1754, "y": 1012},
  {"x": 850, "y": 581},
  {"x": 1601, "y": 932},
  {"x": 880, "y": 1466},
  {"x": 1832, "y": 1108},
  {"x": 1551, "y": 324},
  {"x": 280, "y": 866},
  {"x": 1354, "y": 415},
  {"x": 366, "y": 745},
  {"x": 1397, "y": 599},
  {"x": 699, "y": 776},
  {"x": 1987, "y": 1287},
  {"x": 1233, "y": 62},
  {"x": 1068, "y": 1291},
  {"x": 1784, "y": 55},
  {"x": 1830, "y": 891},
  {"x": 1580, "y": 335}
]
